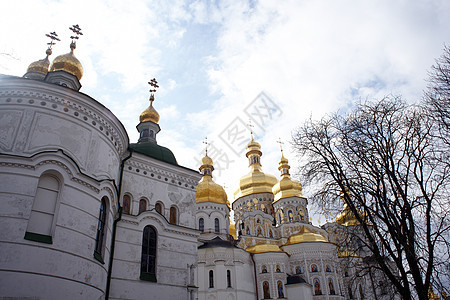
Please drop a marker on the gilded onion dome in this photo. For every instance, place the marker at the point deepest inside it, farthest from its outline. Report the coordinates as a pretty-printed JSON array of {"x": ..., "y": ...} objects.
[
  {"x": 346, "y": 217},
  {"x": 256, "y": 181},
  {"x": 40, "y": 66},
  {"x": 68, "y": 62},
  {"x": 207, "y": 189},
  {"x": 286, "y": 187},
  {"x": 150, "y": 114},
  {"x": 306, "y": 236}
]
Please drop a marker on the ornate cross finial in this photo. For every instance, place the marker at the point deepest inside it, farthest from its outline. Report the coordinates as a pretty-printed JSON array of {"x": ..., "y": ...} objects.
[
  {"x": 250, "y": 126},
  {"x": 77, "y": 31},
  {"x": 281, "y": 145},
  {"x": 53, "y": 37},
  {"x": 206, "y": 143},
  {"x": 154, "y": 85}
]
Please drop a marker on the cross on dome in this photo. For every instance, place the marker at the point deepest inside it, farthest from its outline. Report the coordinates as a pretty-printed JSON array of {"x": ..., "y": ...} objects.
[
  {"x": 206, "y": 143},
  {"x": 53, "y": 37}
]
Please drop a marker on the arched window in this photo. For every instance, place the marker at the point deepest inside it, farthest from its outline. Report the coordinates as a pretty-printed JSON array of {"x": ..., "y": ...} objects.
[
  {"x": 101, "y": 227},
  {"x": 266, "y": 290},
  {"x": 173, "y": 215},
  {"x": 331, "y": 286},
  {"x": 228, "y": 278},
  {"x": 216, "y": 225},
  {"x": 201, "y": 224},
  {"x": 345, "y": 273},
  {"x": 142, "y": 206},
  {"x": 211, "y": 279},
  {"x": 158, "y": 208},
  {"x": 280, "y": 289},
  {"x": 298, "y": 270},
  {"x": 263, "y": 269},
  {"x": 42, "y": 215},
  {"x": 317, "y": 289},
  {"x": 277, "y": 269},
  {"x": 291, "y": 216},
  {"x": 126, "y": 204},
  {"x": 258, "y": 231},
  {"x": 148, "y": 258}
]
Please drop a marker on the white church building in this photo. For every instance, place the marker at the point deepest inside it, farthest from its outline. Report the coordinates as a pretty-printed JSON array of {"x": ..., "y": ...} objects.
[{"x": 88, "y": 214}]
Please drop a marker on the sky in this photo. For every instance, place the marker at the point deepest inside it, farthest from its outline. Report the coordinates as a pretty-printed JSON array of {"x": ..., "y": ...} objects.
[{"x": 225, "y": 67}]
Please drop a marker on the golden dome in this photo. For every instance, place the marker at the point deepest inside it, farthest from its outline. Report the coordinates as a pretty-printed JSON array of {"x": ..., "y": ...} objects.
[
  {"x": 69, "y": 63},
  {"x": 256, "y": 181},
  {"x": 306, "y": 236},
  {"x": 207, "y": 189},
  {"x": 286, "y": 187},
  {"x": 232, "y": 230},
  {"x": 40, "y": 66},
  {"x": 150, "y": 114},
  {"x": 264, "y": 248},
  {"x": 346, "y": 217}
]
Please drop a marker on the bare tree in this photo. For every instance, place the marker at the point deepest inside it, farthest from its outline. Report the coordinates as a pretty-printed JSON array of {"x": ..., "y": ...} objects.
[
  {"x": 387, "y": 158},
  {"x": 437, "y": 95}
]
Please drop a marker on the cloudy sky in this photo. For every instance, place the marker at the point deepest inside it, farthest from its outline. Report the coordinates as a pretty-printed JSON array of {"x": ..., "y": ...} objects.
[{"x": 224, "y": 64}]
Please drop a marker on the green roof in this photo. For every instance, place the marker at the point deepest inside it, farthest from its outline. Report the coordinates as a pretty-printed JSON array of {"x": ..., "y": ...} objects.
[{"x": 155, "y": 151}]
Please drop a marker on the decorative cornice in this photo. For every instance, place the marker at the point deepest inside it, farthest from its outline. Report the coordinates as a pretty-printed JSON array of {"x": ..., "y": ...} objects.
[{"x": 68, "y": 105}]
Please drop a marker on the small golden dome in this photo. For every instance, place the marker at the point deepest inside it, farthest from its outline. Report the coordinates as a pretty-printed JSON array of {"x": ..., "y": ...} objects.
[
  {"x": 256, "y": 181},
  {"x": 207, "y": 161},
  {"x": 346, "y": 217},
  {"x": 207, "y": 189},
  {"x": 306, "y": 236},
  {"x": 150, "y": 114},
  {"x": 286, "y": 187},
  {"x": 264, "y": 248},
  {"x": 40, "y": 66},
  {"x": 232, "y": 230},
  {"x": 69, "y": 63}
]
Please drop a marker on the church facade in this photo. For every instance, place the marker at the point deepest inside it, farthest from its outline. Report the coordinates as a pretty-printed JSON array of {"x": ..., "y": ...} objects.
[{"x": 88, "y": 215}]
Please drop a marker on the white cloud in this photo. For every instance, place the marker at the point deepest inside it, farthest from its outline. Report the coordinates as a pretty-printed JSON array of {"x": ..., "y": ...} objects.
[{"x": 312, "y": 57}]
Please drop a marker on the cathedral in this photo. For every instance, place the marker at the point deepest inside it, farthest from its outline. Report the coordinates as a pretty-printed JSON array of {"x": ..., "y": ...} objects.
[{"x": 89, "y": 214}]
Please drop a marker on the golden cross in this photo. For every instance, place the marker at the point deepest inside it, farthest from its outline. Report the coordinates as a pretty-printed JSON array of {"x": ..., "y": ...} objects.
[
  {"x": 77, "y": 31},
  {"x": 281, "y": 144},
  {"x": 53, "y": 37},
  {"x": 206, "y": 143},
  {"x": 250, "y": 126}
]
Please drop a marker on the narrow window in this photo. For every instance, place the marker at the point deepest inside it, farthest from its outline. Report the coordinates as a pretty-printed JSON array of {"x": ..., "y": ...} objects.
[
  {"x": 263, "y": 269},
  {"x": 148, "y": 259},
  {"x": 101, "y": 226},
  {"x": 42, "y": 215},
  {"x": 173, "y": 215},
  {"x": 142, "y": 205},
  {"x": 266, "y": 290},
  {"x": 228, "y": 278},
  {"x": 317, "y": 289},
  {"x": 291, "y": 216},
  {"x": 280, "y": 289},
  {"x": 216, "y": 225},
  {"x": 211, "y": 279},
  {"x": 158, "y": 208},
  {"x": 126, "y": 204},
  {"x": 201, "y": 224},
  {"x": 331, "y": 286}
]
